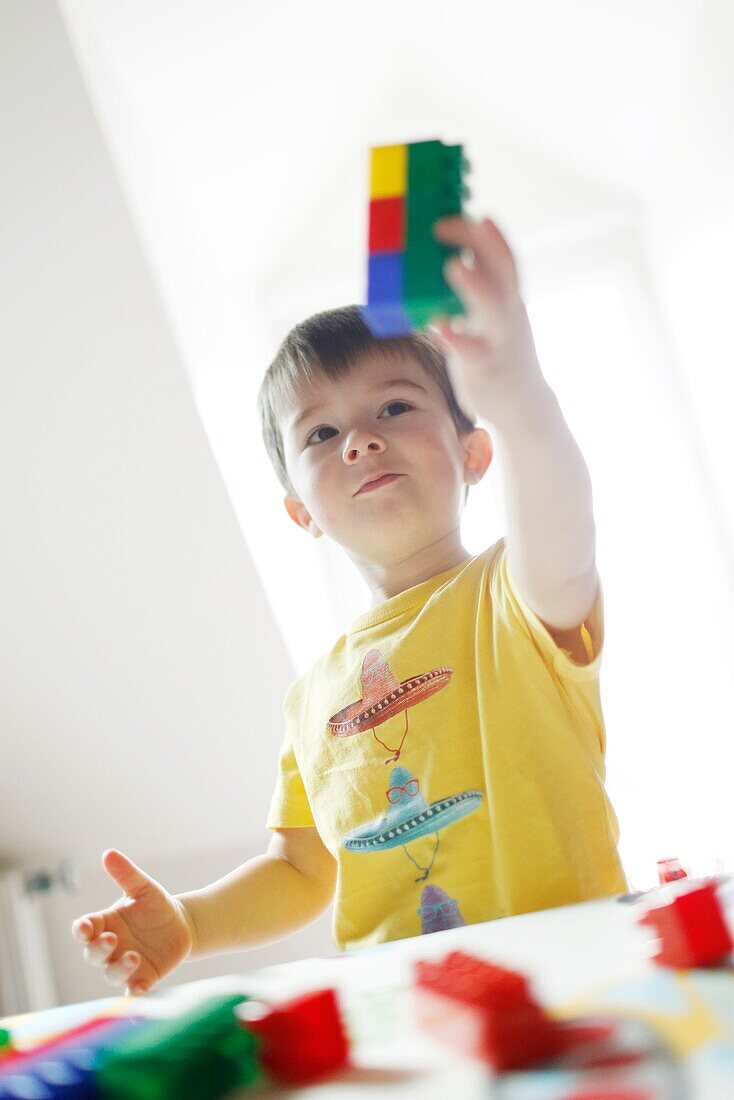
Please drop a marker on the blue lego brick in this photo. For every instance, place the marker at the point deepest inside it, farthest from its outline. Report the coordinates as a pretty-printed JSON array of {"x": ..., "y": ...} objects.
[
  {"x": 384, "y": 312},
  {"x": 386, "y": 320},
  {"x": 385, "y": 285},
  {"x": 50, "y": 1079}
]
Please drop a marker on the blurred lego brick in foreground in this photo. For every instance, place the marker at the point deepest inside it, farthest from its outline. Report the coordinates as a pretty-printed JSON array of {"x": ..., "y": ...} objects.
[
  {"x": 692, "y": 929},
  {"x": 303, "y": 1040}
]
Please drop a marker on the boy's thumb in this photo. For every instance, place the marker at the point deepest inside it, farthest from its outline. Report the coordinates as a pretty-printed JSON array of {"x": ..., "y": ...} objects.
[{"x": 126, "y": 874}]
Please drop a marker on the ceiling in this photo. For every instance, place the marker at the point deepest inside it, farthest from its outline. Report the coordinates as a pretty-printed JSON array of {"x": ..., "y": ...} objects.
[{"x": 242, "y": 130}]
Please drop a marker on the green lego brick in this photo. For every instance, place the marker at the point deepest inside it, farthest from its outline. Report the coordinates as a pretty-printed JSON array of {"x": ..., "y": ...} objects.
[
  {"x": 424, "y": 311},
  {"x": 199, "y": 1055},
  {"x": 436, "y": 189}
]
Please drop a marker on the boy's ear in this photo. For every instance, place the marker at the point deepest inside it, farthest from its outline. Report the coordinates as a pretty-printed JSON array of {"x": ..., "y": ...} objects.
[
  {"x": 298, "y": 513},
  {"x": 478, "y": 453}
]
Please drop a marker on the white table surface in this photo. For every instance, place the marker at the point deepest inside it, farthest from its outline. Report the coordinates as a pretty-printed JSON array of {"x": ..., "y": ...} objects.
[
  {"x": 565, "y": 952},
  {"x": 569, "y": 954}
]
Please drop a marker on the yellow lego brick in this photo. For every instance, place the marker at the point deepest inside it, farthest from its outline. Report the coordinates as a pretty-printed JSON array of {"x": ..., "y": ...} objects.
[{"x": 388, "y": 171}]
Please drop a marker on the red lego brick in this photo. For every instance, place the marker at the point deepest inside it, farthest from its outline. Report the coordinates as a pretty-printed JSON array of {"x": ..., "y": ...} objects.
[
  {"x": 691, "y": 928},
  {"x": 670, "y": 870},
  {"x": 303, "y": 1040},
  {"x": 601, "y": 1092},
  {"x": 602, "y": 1058},
  {"x": 483, "y": 1010},
  {"x": 466, "y": 978},
  {"x": 387, "y": 225}
]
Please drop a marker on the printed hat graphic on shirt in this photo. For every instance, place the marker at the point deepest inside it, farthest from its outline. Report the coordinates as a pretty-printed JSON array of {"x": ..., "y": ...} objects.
[
  {"x": 410, "y": 816},
  {"x": 438, "y": 911},
  {"x": 383, "y": 697}
]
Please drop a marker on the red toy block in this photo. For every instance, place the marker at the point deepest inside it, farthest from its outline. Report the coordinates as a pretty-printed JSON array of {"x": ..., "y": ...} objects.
[
  {"x": 483, "y": 1010},
  {"x": 604, "y": 1058},
  {"x": 692, "y": 929},
  {"x": 303, "y": 1040},
  {"x": 670, "y": 870},
  {"x": 387, "y": 225}
]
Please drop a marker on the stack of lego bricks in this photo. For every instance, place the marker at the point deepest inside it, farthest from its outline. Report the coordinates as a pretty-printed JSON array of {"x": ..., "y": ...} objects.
[{"x": 411, "y": 187}]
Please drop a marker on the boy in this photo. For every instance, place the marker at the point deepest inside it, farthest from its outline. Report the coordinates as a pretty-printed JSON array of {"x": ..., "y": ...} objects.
[{"x": 443, "y": 764}]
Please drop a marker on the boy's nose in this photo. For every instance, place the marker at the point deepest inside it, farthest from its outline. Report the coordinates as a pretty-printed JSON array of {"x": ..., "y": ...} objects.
[{"x": 359, "y": 443}]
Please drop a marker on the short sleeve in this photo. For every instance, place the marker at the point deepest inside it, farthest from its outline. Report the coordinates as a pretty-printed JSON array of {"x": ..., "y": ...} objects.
[
  {"x": 538, "y": 658},
  {"x": 289, "y": 806},
  {"x": 505, "y": 594}
]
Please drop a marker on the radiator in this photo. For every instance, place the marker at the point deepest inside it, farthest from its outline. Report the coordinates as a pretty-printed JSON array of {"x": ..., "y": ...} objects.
[{"x": 27, "y": 980}]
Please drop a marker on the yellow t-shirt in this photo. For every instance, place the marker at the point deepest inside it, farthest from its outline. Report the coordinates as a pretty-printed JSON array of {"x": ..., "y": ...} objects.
[{"x": 451, "y": 756}]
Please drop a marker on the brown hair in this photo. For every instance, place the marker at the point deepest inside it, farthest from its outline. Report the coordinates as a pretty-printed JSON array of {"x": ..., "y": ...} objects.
[{"x": 330, "y": 344}]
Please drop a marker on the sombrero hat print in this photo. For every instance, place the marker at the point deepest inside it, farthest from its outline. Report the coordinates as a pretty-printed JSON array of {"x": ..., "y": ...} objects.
[
  {"x": 383, "y": 697},
  {"x": 409, "y": 816}
]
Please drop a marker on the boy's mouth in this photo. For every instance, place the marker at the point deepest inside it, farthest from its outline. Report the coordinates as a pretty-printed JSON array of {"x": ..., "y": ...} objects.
[{"x": 376, "y": 482}]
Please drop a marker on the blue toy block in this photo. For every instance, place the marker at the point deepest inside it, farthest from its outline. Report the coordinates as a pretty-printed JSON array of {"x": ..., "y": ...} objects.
[
  {"x": 385, "y": 278},
  {"x": 386, "y": 320}
]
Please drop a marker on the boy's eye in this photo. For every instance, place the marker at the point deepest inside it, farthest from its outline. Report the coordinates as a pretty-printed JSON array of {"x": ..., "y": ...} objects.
[
  {"x": 395, "y": 408},
  {"x": 396, "y": 404},
  {"x": 316, "y": 431}
]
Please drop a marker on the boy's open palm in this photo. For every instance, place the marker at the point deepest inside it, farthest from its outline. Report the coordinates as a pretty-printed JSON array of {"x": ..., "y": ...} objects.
[{"x": 143, "y": 936}]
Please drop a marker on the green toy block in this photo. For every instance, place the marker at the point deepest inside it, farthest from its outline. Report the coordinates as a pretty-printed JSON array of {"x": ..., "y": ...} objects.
[
  {"x": 436, "y": 190},
  {"x": 200, "y": 1055},
  {"x": 421, "y": 313}
]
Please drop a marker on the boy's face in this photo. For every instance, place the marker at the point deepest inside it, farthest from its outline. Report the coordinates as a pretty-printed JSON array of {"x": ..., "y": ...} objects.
[{"x": 385, "y": 417}]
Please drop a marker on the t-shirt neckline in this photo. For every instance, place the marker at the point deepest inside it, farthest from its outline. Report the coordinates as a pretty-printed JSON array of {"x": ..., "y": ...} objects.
[{"x": 402, "y": 601}]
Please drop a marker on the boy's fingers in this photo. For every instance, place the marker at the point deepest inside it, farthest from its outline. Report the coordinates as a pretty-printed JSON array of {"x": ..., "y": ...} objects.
[
  {"x": 142, "y": 978},
  {"x": 462, "y": 341},
  {"x": 98, "y": 951},
  {"x": 491, "y": 250},
  {"x": 81, "y": 929},
  {"x": 120, "y": 972},
  {"x": 88, "y": 928},
  {"x": 128, "y": 876},
  {"x": 475, "y": 290},
  {"x": 464, "y": 232},
  {"x": 137, "y": 988}
]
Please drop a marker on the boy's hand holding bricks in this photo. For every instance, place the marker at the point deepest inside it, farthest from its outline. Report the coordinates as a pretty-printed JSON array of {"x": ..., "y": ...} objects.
[
  {"x": 492, "y": 360},
  {"x": 496, "y": 376}
]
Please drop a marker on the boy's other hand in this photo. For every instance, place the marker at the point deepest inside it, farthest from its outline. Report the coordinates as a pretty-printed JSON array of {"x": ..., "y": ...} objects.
[
  {"x": 490, "y": 353},
  {"x": 143, "y": 936}
]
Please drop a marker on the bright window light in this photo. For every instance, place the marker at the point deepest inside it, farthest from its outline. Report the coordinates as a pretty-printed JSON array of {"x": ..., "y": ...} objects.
[{"x": 664, "y": 684}]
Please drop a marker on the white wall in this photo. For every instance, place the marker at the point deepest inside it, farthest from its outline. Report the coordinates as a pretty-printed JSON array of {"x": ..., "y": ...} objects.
[{"x": 141, "y": 672}]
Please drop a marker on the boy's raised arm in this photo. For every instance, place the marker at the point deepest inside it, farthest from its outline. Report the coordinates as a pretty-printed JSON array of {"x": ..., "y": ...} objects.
[{"x": 551, "y": 544}]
